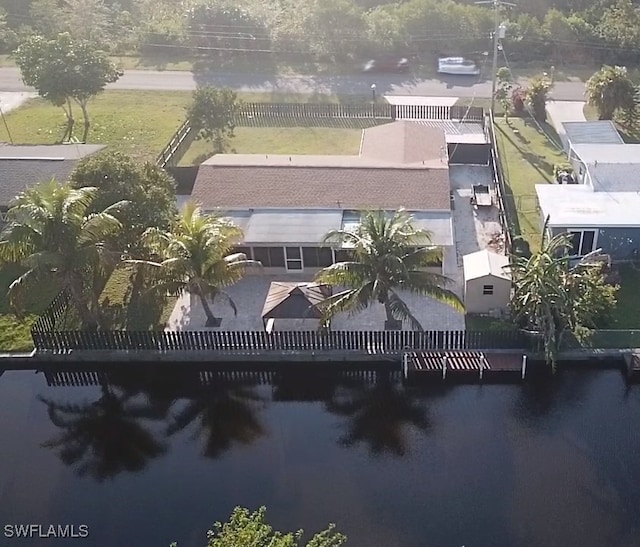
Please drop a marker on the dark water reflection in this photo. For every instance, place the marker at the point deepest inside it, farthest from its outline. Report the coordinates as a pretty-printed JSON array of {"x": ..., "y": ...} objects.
[{"x": 146, "y": 459}]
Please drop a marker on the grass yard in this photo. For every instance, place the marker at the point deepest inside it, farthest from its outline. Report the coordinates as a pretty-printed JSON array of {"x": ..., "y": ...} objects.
[
  {"x": 15, "y": 335},
  {"x": 149, "y": 313},
  {"x": 627, "y": 312},
  {"x": 528, "y": 158},
  {"x": 138, "y": 123},
  {"x": 282, "y": 140}
]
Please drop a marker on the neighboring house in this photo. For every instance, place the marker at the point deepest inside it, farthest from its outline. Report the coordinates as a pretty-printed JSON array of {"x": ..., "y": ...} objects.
[
  {"x": 602, "y": 211},
  {"x": 286, "y": 204},
  {"x": 487, "y": 283},
  {"x": 25, "y": 166},
  {"x": 595, "y": 132}
]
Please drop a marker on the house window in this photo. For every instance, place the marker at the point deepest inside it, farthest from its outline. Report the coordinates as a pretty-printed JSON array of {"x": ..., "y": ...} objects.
[
  {"x": 487, "y": 289},
  {"x": 294, "y": 258},
  {"x": 317, "y": 257},
  {"x": 269, "y": 257},
  {"x": 244, "y": 250},
  {"x": 582, "y": 242},
  {"x": 343, "y": 255}
]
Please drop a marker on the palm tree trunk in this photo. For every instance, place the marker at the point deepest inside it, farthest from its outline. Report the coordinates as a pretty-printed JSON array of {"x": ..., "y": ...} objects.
[
  {"x": 391, "y": 323},
  {"x": 212, "y": 321},
  {"x": 89, "y": 321}
]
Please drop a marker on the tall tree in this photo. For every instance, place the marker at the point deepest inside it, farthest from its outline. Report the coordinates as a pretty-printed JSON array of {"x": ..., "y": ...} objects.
[
  {"x": 212, "y": 114},
  {"x": 89, "y": 20},
  {"x": 105, "y": 437},
  {"x": 63, "y": 70},
  {"x": 611, "y": 89},
  {"x": 52, "y": 234},
  {"x": 536, "y": 96},
  {"x": 149, "y": 196},
  {"x": 249, "y": 529},
  {"x": 196, "y": 258},
  {"x": 148, "y": 191},
  {"x": 503, "y": 95},
  {"x": 389, "y": 253},
  {"x": 554, "y": 297}
]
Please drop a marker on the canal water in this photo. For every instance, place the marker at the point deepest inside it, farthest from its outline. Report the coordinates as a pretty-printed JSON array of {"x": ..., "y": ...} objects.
[{"x": 146, "y": 462}]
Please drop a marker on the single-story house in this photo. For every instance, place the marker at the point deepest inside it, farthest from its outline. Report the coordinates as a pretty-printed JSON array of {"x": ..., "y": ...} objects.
[
  {"x": 487, "y": 282},
  {"x": 22, "y": 166},
  {"x": 286, "y": 204},
  {"x": 602, "y": 210},
  {"x": 590, "y": 132}
]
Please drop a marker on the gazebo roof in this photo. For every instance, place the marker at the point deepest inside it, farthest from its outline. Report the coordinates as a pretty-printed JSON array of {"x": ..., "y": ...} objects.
[{"x": 286, "y": 300}]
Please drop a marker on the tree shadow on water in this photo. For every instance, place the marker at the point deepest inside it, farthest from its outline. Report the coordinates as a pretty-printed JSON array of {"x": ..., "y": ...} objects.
[
  {"x": 220, "y": 416},
  {"x": 106, "y": 437},
  {"x": 380, "y": 416}
]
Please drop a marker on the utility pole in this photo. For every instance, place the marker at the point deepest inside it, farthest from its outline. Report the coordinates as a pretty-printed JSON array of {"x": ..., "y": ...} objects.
[{"x": 498, "y": 33}]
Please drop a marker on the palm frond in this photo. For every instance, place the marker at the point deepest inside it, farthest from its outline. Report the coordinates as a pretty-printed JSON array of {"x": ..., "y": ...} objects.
[{"x": 400, "y": 310}]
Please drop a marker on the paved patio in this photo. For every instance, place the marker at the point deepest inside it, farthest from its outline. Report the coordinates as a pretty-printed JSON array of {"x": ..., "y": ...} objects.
[{"x": 250, "y": 293}]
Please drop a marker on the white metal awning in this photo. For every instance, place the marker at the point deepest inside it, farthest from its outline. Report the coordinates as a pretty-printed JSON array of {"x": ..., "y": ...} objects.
[{"x": 294, "y": 226}]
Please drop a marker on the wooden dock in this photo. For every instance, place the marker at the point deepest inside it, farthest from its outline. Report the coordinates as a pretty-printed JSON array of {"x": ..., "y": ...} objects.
[{"x": 464, "y": 364}]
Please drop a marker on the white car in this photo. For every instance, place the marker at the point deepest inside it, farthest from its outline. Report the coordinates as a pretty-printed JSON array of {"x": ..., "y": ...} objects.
[{"x": 457, "y": 65}]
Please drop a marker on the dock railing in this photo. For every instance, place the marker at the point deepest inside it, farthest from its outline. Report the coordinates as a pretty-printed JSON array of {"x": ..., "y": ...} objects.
[{"x": 367, "y": 342}]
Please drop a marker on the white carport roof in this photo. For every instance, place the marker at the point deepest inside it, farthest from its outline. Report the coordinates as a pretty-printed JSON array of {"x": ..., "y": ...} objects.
[
  {"x": 578, "y": 206},
  {"x": 483, "y": 263}
]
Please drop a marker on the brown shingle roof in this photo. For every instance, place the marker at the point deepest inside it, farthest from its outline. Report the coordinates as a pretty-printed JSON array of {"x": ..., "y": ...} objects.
[
  {"x": 404, "y": 142},
  {"x": 231, "y": 187}
]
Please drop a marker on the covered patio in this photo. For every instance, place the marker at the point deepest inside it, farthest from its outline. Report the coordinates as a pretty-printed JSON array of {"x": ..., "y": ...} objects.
[{"x": 288, "y": 301}]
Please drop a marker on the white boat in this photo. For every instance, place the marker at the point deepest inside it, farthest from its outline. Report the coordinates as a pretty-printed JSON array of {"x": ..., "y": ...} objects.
[{"x": 457, "y": 65}]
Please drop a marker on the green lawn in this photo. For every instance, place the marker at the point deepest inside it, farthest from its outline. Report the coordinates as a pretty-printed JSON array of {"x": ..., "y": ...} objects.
[
  {"x": 282, "y": 140},
  {"x": 528, "y": 158},
  {"x": 627, "y": 312},
  {"x": 150, "y": 313},
  {"x": 15, "y": 334},
  {"x": 138, "y": 123}
]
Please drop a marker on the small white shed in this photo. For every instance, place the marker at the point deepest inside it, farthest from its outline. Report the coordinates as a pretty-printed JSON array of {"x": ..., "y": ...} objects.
[{"x": 487, "y": 282}]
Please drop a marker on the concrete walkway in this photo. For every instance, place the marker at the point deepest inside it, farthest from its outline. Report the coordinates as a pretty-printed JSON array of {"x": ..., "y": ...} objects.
[
  {"x": 10, "y": 100},
  {"x": 565, "y": 111}
]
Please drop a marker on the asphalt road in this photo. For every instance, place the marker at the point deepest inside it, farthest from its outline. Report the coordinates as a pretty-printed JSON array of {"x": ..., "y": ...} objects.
[{"x": 448, "y": 86}]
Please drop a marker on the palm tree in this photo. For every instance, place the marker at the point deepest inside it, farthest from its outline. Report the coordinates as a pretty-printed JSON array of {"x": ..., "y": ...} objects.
[
  {"x": 196, "y": 258},
  {"x": 389, "y": 253},
  {"x": 53, "y": 235},
  {"x": 553, "y": 297},
  {"x": 105, "y": 437},
  {"x": 611, "y": 89},
  {"x": 222, "y": 415}
]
